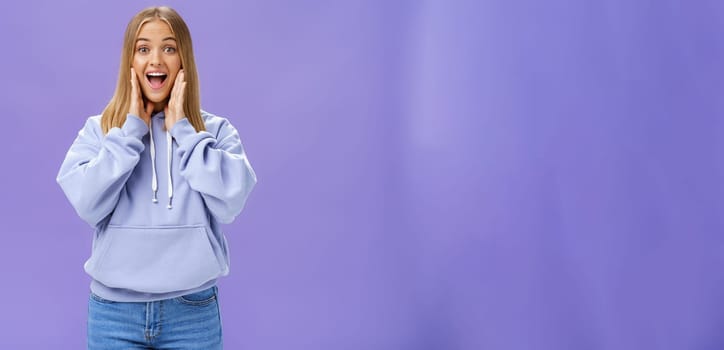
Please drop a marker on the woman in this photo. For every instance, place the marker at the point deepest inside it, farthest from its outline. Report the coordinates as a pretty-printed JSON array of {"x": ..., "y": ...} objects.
[{"x": 155, "y": 259}]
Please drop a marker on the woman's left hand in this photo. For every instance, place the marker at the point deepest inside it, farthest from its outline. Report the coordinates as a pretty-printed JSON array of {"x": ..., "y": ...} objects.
[{"x": 174, "y": 110}]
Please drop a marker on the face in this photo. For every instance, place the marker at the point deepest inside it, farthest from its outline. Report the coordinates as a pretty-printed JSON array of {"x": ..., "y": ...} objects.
[{"x": 156, "y": 61}]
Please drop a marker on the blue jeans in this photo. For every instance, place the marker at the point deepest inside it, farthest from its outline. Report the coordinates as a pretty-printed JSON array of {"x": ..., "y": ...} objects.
[{"x": 188, "y": 322}]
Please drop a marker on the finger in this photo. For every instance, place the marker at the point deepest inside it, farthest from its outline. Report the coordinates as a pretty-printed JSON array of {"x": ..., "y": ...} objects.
[
  {"x": 134, "y": 93},
  {"x": 174, "y": 91},
  {"x": 180, "y": 80},
  {"x": 177, "y": 84},
  {"x": 178, "y": 100},
  {"x": 133, "y": 83},
  {"x": 182, "y": 96}
]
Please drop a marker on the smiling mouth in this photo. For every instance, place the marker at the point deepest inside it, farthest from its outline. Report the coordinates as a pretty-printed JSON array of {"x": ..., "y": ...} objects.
[{"x": 156, "y": 80}]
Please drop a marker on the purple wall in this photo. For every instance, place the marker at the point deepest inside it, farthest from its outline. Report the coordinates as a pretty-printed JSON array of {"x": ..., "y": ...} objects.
[{"x": 432, "y": 174}]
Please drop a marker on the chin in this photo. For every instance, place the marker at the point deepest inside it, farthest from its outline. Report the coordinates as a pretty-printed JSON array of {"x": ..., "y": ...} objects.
[{"x": 156, "y": 98}]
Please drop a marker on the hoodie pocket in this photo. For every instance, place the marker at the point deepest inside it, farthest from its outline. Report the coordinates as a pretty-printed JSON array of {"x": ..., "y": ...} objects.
[{"x": 154, "y": 259}]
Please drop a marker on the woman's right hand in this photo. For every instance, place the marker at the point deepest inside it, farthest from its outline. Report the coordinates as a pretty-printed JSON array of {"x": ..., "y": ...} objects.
[{"x": 137, "y": 101}]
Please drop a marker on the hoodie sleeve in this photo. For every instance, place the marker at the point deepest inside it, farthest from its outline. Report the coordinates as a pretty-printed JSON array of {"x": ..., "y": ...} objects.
[
  {"x": 216, "y": 167},
  {"x": 97, "y": 167}
]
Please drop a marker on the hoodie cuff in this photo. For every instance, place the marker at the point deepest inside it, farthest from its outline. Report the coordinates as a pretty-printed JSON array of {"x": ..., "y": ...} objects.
[
  {"x": 134, "y": 126},
  {"x": 182, "y": 130}
]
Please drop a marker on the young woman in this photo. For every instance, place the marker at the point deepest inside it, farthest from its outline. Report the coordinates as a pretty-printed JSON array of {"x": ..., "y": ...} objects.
[{"x": 156, "y": 176}]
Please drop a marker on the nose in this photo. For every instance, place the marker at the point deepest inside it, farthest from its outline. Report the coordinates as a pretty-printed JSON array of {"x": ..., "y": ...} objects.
[{"x": 155, "y": 58}]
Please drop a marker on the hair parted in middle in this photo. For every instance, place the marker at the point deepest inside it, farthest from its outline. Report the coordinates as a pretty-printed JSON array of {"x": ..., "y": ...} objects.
[{"x": 114, "y": 115}]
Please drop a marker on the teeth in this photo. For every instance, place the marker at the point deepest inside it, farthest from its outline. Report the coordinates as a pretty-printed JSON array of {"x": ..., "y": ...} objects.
[{"x": 157, "y": 74}]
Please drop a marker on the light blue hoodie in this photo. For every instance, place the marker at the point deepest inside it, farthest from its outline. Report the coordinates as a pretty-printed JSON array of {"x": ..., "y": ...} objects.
[{"x": 156, "y": 200}]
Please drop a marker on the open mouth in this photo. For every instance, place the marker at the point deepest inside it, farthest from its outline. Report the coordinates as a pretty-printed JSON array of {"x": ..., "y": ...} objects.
[{"x": 156, "y": 79}]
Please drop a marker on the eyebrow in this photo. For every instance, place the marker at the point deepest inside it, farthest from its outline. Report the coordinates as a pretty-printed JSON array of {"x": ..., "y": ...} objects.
[{"x": 164, "y": 39}]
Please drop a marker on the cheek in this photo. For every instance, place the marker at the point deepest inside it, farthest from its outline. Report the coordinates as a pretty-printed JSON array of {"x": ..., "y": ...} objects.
[
  {"x": 139, "y": 67},
  {"x": 175, "y": 63}
]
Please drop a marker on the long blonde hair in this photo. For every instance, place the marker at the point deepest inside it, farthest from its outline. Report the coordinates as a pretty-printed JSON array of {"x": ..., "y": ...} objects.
[{"x": 114, "y": 115}]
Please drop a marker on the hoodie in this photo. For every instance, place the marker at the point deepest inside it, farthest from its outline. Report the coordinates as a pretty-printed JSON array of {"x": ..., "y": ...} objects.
[{"x": 156, "y": 200}]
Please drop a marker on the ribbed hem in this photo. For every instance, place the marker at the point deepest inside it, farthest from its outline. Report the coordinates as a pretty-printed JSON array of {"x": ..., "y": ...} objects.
[{"x": 127, "y": 295}]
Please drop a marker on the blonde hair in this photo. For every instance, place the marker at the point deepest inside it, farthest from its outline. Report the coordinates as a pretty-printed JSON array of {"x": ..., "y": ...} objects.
[{"x": 114, "y": 115}]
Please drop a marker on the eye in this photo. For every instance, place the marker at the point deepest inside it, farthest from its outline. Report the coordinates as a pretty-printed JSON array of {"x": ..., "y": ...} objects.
[
  {"x": 169, "y": 49},
  {"x": 142, "y": 49}
]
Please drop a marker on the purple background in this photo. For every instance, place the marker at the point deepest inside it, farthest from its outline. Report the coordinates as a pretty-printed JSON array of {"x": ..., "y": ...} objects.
[{"x": 432, "y": 174}]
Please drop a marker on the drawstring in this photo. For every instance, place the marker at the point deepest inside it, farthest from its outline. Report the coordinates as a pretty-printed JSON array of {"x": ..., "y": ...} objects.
[
  {"x": 169, "y": 146},
  {"x": 154, "y": 180}
]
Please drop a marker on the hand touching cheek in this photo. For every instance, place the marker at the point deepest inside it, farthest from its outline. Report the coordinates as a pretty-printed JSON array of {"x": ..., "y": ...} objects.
[
  {"x": 137, "y": 101},
  {"x": 174, "y": 110}
]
